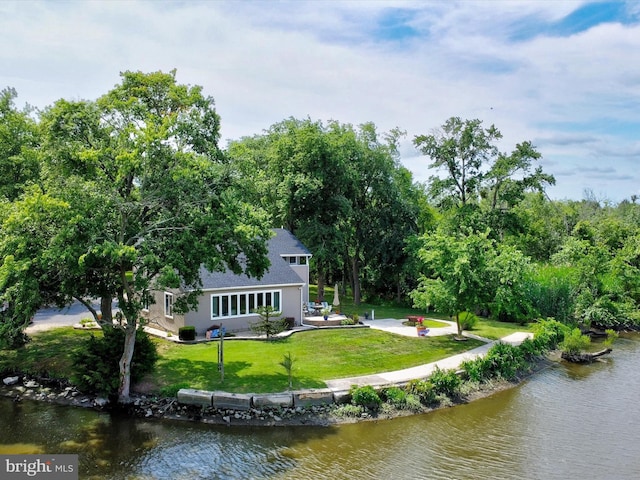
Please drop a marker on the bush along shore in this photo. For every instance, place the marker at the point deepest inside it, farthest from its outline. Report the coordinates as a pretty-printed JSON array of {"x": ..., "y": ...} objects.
[{"x": 502, "y": 367}]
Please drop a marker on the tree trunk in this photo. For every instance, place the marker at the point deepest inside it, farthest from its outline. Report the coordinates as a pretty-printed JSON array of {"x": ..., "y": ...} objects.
[
  {"x": 355, "y": 270},
  {"x": 584, "y": 357},
  {"x": 125, "y": 362},
  {"x": 321, "y": 285},
  {"x": 458, "y": 325},
  {"x": 105, "y": 308}
]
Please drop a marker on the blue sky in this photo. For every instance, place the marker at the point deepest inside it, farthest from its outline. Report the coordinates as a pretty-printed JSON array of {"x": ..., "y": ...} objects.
[{"x": 562, "y": 74}]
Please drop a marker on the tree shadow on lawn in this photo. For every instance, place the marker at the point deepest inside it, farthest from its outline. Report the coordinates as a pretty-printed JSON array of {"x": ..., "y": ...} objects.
[{"x": 205, "y": 376}]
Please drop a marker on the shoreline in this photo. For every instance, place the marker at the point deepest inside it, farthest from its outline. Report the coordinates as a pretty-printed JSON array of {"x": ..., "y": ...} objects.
[{"x": 168, "y": 408}]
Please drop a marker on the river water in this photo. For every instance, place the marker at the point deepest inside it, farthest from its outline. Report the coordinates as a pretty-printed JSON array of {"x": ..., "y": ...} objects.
[{"x": 566, "y": 422}]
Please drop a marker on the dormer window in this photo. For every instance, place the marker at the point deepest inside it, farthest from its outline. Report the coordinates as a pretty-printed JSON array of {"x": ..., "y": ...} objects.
[{"x": 296, "y": 260}]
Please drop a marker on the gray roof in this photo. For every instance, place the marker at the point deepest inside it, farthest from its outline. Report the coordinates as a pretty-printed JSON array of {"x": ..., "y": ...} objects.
[{"x": 279, "y": 273}]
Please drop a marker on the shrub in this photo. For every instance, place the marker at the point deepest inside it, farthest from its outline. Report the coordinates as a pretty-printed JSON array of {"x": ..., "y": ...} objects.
[
  {"x": 395, "y": 396},
  {"x": 422, "y": 389},
  {"x": 348, "y": 321},
  {"x": 365, "y": 396},
  {"x": 95, "y": 365},
  {"x": 505, "y": 360},
  {"x": 12, "y": 327},
  {"x": 575, "y": 342},
  {"x": 187, "y": 333},
  {"x": 445, "y": 382},
  {"x": 477, "y": 370},
  {"x": 348, "y": 410},
  {"x": 467, "y": 320},
  {"x": 549, "y": 333},
  {"x": 172, "y": 390},
  {"x": 531, "y": 349},
  {"x": 612, "y": 335},
  {"x": 412, "y": 402}
]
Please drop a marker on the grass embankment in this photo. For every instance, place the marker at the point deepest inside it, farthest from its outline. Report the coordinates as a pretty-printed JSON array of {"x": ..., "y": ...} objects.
[{"x": 253, "y": 366}]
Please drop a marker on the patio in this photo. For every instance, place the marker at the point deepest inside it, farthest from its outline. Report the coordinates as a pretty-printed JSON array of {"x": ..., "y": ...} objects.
[{"x": 334, "y": 319}]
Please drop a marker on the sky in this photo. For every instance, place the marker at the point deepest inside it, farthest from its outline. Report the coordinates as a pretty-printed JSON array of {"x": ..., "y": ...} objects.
[{"x": 564, "y": 75}]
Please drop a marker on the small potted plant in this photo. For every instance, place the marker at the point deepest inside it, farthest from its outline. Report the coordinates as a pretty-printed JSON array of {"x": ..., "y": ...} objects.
[
  {"x": 421, "y": 327},
  {"x": 325, "y": 313}
]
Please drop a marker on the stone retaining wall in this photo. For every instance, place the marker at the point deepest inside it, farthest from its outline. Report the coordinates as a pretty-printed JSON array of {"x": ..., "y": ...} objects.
[{"x": 237, "y": 401}]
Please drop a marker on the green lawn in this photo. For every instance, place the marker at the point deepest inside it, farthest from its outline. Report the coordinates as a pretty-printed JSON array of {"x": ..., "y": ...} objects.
[
  {"x": 47, "y": 353},
  {"x": 253, "y": 366}
]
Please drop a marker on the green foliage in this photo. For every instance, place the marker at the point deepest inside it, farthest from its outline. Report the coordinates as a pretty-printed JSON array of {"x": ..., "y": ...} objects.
[
  {"x": 116, "y": 172},
  {"x": 505, "y": 360},
  {"x": 12, "y": 327},
  {"x": 423, "y": 389},
  {"x": 172, "y": 390},
  {"x": 548, "y": 333},
  {"x": 478, "y": 369},
  {"x": 512, "y": 300},
  {"x": 287, "y": 363},
  {"x": 445, "y": 382},
  {"x": 95, "y": 365},
  {"x": 467, "y": 320},
  {"x": 348, "y": 321},
  {"x": 365, "y": 396},
  {"x": 187, "y": 333},
  {"x": 394, "y": 396},
  {"x": 19, "y": 140},
  {"x": 459, "y": 274},
  {"x": 348, "y": 410},
  {"x": 532, "y": 348},
  {"x": 575, "y": 342},
  {"x": 612, "y": 335},
  {"x": 412, "y": 402},
  {"x": 267, "y": 325},
  {"x": 552, "y": 291}
]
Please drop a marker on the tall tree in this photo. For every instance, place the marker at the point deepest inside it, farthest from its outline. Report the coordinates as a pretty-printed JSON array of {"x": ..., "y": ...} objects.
[
  {"x": 480, "y": 184},
  {"x": 18, "y": 146},
  {"x": 338, "y": 188},
  {"x": 461, "y": 148},
  {"x": 150, "y": 197},
  {"x": 458, "y": 274}
]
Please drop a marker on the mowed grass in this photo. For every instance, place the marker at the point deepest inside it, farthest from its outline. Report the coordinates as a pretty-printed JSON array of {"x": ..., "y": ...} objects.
[
  {"x": 253, "y": 366},
  {"x": 48, "y": 353},
  {"x": 319, "y": 355}
]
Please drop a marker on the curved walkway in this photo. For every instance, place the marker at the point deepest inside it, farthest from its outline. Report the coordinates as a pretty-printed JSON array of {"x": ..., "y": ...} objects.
[{"x": 421, "y": 371}]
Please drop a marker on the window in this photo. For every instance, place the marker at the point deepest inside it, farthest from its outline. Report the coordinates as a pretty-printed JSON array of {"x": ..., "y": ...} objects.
[
  {"x": 168, "y": 304},
  {"x": 301, "y": 260},
  {"x": 146, "y": 300},
  {"x": 242, "y": 304}
]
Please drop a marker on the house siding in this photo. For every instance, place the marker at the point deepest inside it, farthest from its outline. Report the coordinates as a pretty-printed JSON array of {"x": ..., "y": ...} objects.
[{"x": 292, "y": 280}]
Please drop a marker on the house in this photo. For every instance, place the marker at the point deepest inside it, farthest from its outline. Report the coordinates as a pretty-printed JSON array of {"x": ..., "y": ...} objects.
[{"x": 229, "y": 299}]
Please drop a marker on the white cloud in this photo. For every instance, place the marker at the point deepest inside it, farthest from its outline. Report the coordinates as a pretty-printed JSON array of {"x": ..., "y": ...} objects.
[{"x": 266, "y": 61}]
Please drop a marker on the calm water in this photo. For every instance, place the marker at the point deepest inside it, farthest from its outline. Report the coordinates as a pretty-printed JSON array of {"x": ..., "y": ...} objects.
[{"x": 568, "y": 422}]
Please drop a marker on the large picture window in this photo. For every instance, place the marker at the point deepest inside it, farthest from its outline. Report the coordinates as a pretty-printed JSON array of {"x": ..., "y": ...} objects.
[{"x": 242, "y": 304}]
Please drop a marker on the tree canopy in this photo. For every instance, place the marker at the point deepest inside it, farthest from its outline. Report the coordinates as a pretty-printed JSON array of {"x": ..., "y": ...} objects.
[{"x": 141, "y": 198}]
